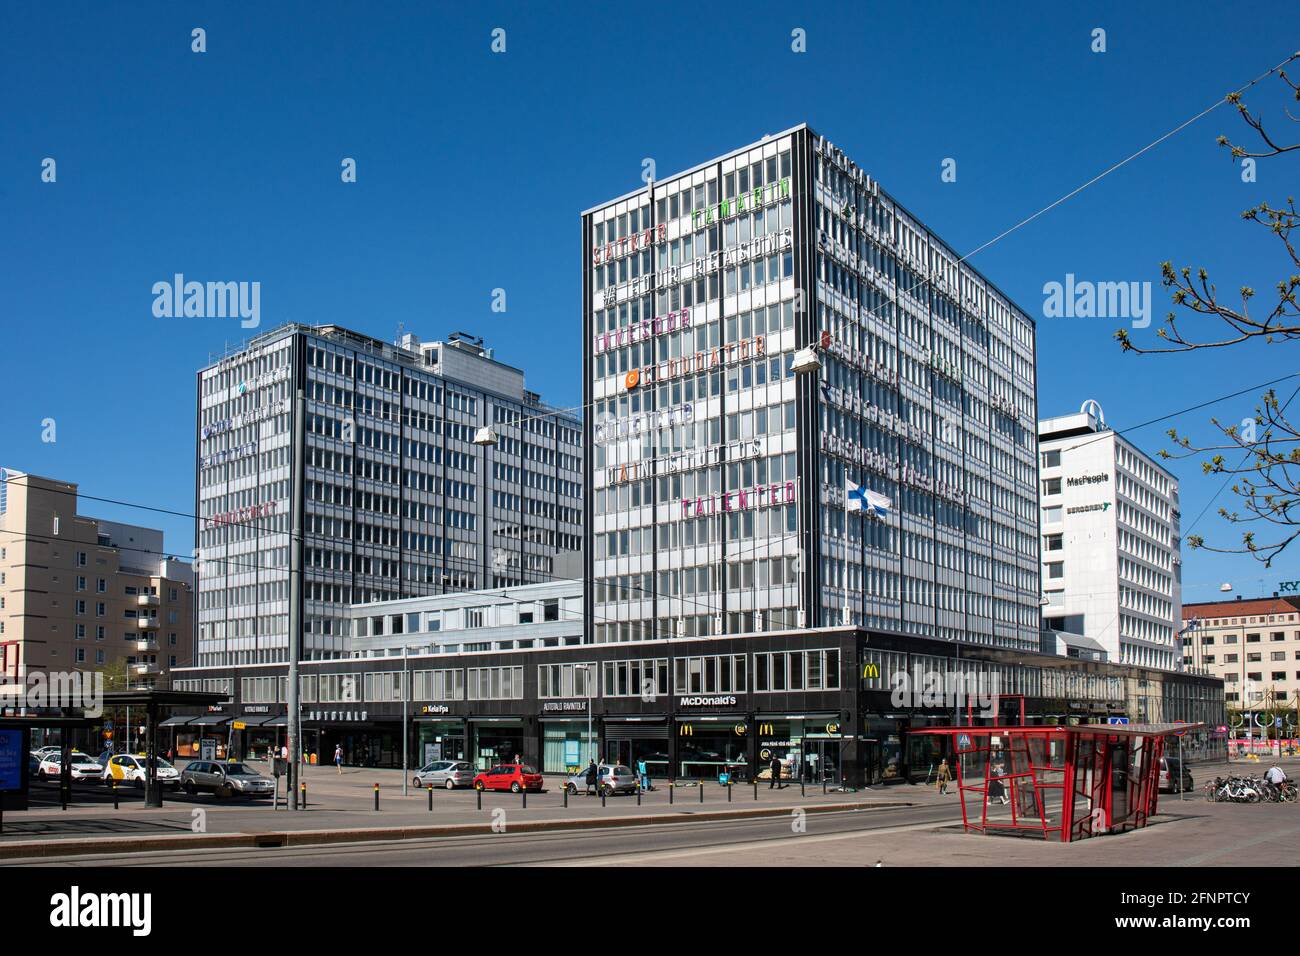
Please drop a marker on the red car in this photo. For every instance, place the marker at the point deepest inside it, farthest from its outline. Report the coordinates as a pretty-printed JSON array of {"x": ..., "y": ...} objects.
[{"x": 509, "y": 776}]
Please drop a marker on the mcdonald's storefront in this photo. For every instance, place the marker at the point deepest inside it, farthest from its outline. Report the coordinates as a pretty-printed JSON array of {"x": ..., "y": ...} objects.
[{"x": 839, "y": 706}]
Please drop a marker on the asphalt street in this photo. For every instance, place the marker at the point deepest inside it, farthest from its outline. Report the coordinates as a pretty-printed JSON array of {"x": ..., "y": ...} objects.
[{"x": 595, "y": 846}]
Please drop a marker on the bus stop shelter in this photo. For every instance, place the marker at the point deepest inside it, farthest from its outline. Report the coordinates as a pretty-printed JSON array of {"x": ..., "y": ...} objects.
[{"x": 1062, "y": 783}]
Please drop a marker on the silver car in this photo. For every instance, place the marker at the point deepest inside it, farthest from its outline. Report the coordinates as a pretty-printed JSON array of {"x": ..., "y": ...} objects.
[
  {"x": 225, "y": 779},
  {"x": 611, "y": 778},
  {"x": 448, "y": 774}
]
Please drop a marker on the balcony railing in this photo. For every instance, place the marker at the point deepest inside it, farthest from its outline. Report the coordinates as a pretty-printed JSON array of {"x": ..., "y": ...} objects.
[
  {"x": 146, "y": 623},
  {"x": 146, "y": 600}
]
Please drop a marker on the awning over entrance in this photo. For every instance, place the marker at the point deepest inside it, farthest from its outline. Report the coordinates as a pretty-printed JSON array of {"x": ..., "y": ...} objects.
[
  {"x": 254, "y": 720},
  {"x": 210, "y": 720},
  {"x": 178, "y": 721}
]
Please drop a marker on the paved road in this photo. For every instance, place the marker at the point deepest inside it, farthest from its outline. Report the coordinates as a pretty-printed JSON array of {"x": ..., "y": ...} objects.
[{"x": 776, "y": 836}]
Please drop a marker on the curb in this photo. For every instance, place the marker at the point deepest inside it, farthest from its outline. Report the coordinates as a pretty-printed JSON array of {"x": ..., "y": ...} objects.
[{"x": 282, "y": 838}]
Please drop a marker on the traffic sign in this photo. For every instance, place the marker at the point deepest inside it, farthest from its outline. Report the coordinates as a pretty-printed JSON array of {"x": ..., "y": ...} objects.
[{"x": 1121, "y": 721}]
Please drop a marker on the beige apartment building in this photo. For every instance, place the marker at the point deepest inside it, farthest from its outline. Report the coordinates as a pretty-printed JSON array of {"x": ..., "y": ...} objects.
[
  {"x": 80, "y": 593},
  {"x": 1253, "y": 644}
]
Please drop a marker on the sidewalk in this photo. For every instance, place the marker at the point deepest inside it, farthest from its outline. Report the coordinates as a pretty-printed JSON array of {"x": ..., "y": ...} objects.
[{"x": 342, "y": 810}]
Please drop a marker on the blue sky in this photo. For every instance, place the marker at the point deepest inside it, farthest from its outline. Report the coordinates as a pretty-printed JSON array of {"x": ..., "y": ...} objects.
[{"x": 473, "y": 166}]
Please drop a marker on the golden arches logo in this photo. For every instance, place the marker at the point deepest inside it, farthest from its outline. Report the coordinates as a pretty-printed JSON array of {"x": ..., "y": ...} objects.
[
  {"x": 870, "y": 671},
  {"x": 685, "y": 730},
  {"x": 766, "y": 729}
]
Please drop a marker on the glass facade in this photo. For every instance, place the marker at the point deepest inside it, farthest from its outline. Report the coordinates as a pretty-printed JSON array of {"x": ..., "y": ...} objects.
[
  {"x": 718, "y": 473},
  {"x": 397, "y": 499}
]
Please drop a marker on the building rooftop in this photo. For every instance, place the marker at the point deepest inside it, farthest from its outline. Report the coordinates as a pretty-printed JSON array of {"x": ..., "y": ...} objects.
[{"x": 1241, "y": 606}]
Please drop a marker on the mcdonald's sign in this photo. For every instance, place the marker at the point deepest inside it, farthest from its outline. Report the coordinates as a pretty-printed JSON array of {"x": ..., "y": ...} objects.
[
  {"x": 685, "y": 730},
  {"x": 870, "y": 670},
  {"x": 766, "y": 729}
]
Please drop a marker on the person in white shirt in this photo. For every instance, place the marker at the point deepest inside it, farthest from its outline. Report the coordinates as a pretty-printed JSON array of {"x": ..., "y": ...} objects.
[{"x": 1276, "y": 775}]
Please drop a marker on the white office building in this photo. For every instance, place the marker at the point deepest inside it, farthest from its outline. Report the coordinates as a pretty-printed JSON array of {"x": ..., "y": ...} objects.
[{"x": 1111, "y": 568}]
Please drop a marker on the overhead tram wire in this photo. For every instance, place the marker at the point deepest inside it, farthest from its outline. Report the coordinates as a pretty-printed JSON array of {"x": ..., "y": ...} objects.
[
  {"x": 255, "y": 525},
  {"x": 585, "y": 406}
]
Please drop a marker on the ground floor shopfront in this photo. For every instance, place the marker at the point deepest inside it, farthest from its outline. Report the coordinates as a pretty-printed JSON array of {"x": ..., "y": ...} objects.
[{"x": 839, "y": 707}]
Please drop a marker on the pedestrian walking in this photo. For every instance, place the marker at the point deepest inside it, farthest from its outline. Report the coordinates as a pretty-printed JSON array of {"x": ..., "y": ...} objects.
[
  {"x": 943, "y": 775},
  {"x": 776, "y": 774},
  {"x": 997, "y": 789},
  {"x": 644, "y": 773},
  {"x": 338, "y": 757},
  {"x": 591, "y": 775}
]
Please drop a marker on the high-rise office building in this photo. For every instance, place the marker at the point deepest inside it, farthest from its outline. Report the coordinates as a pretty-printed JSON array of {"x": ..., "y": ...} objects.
[
  {"x": 719, "y": 463},
  {"x": 1111, "y": 541},
  {"x": 396, "y": 500}
]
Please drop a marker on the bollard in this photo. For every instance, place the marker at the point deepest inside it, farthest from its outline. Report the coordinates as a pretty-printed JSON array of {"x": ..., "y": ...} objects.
[
  {"x": 701, "y": 791},
  {"x": 672, "y": 786},
  {"x": 302, "y": 789},
  {"x": 728, "y": 791},
  {"x": 638, "y": 795},
  {"x": 566, "y": 798},
  {"x": 524, "y": 792},
  {"x": 823, "y": 786},
  {"x": 115, "y": 795},
  {"x": 376, "y": 796},
  {"x": 755, "y": 788},
  {"x": 479, "y": 792},
  {"x": 602, "y": 796},
  {"x": 430, "y": 796},
  {"x": 801, "y": 790}
]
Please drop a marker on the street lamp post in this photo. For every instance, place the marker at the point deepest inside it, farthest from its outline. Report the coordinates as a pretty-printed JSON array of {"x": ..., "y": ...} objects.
[
  {"x": 406, "y": 717},
  {"x": 586, "y": 680}
]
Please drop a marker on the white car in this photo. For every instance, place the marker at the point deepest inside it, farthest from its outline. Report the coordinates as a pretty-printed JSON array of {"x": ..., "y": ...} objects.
[
  {"x": 83, "y": 766},
  {"x": 129, "y": 768}
]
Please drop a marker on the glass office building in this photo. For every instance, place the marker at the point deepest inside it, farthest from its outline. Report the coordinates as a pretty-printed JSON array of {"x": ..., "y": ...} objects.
[
  {"x": 718, "y": 465},
  {"x": 396, "y": 499}
]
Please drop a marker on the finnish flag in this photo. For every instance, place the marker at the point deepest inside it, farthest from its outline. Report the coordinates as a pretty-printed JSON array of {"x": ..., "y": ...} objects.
[{"x": 861, "y": 498}]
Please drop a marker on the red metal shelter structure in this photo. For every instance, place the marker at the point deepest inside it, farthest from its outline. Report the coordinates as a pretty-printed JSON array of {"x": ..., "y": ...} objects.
[{"x": 1066, "y": 783}]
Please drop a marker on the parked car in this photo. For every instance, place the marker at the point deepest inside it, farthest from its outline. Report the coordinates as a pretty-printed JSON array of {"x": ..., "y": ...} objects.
[
  {"x": 33, "y": 766},
  {"x": 1174, "y": 775},
  {"x": 42, "y": 752},
  {"x": 225, "y": 779},
  {"x": 449, "y": 774},
  {"x": 129, "y": 768},
  {"x": 83, "y": 766},
  {"x": 610, "y": 779},
  {"x": 509, "y": 776}
]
